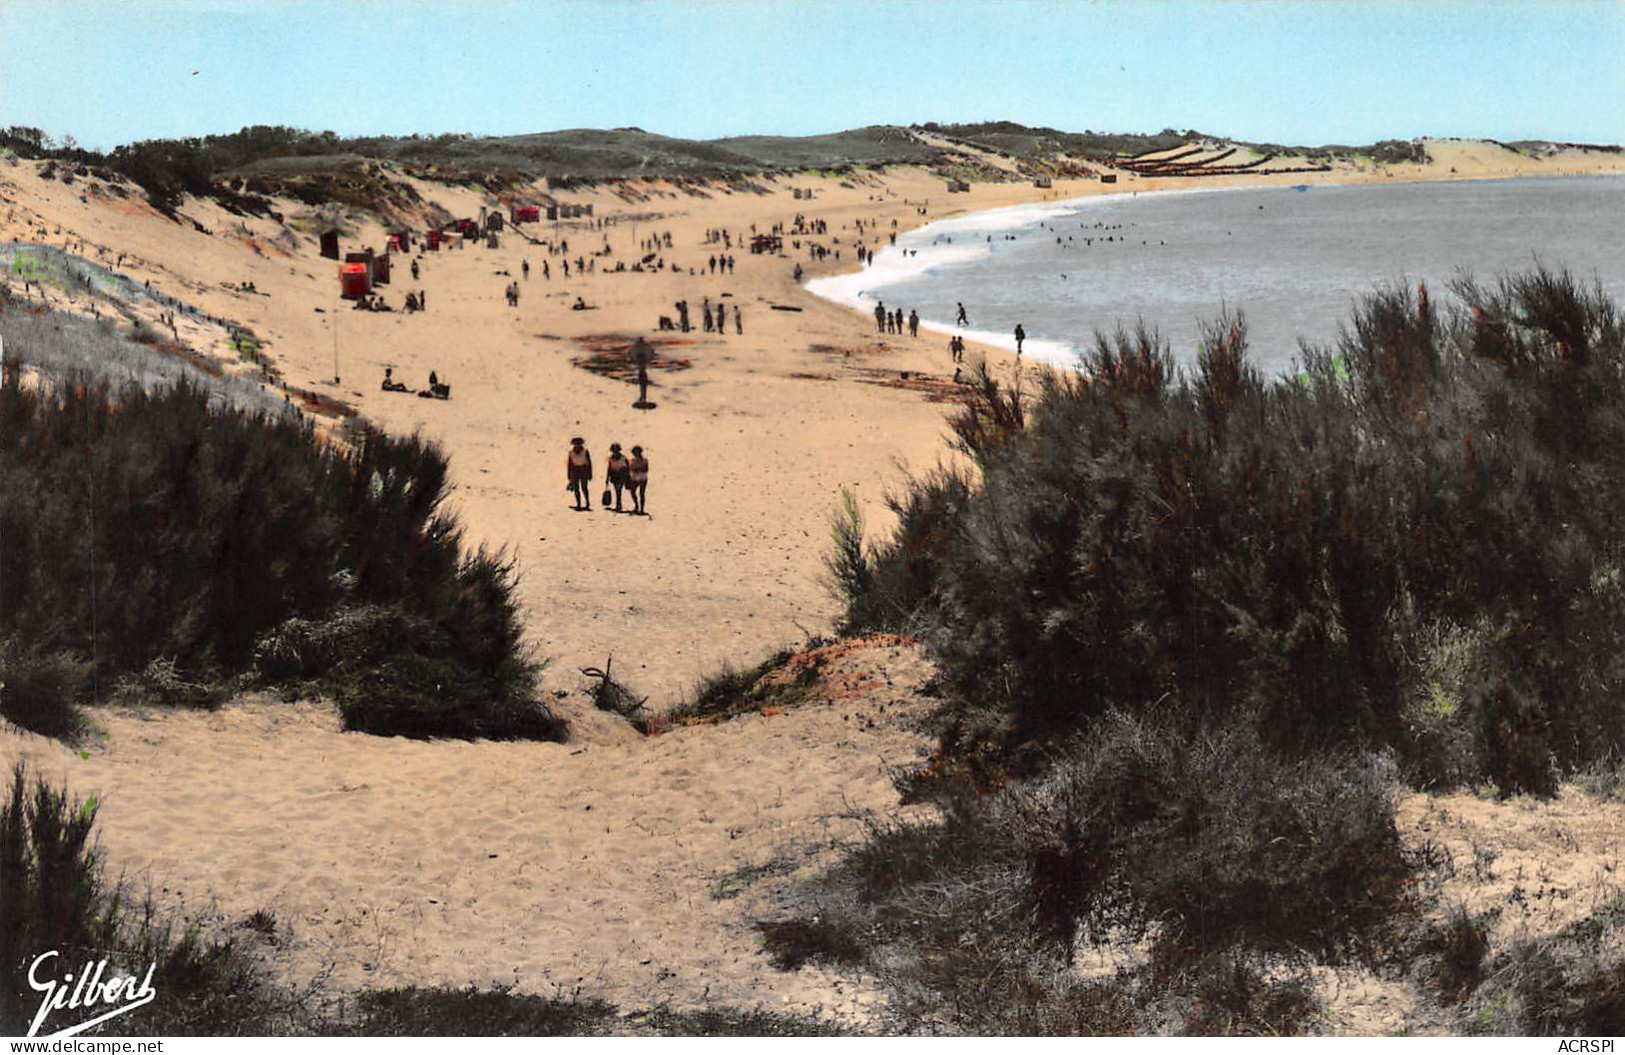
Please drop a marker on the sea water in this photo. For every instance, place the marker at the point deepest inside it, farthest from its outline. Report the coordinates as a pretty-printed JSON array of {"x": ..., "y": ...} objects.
[{"x": 1293, "y": 260}]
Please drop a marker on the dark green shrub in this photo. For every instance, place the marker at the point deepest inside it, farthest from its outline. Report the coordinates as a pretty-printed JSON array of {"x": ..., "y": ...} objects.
[
  {"x": 1211, "y": 841},
  {"x": 1238, "y": 994},
  {"x": 1517, "y": 756},
  {"x": 41, "y": 691},
  {"x": 1213, "y": 541},
  {"x": 152, "y": 526}
]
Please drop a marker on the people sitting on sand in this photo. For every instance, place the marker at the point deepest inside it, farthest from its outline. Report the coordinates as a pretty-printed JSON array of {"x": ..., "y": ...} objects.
[
  {"x": 580, "y": 305},
  {"x": 436, "y": 390},
  {"x": 578, "y": 473},
  {"x": 411, "y": 302},
  {"x": 638, "y": 476},
  {"x": 390, "y": 384},
  {"x": 618, "y": 472}
]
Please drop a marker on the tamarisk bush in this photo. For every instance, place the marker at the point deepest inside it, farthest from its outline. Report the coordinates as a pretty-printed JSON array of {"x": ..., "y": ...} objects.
[{"x": 1221, "y": 544}]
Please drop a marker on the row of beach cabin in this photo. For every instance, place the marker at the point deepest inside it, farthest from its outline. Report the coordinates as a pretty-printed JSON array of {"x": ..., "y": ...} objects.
[{"x": 360, "y": 272}]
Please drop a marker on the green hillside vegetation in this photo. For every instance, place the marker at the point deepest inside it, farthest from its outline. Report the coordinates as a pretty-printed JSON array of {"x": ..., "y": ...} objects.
[
  {"x": 241, "y": 169},
  {"x": 1032, "y": 144}
]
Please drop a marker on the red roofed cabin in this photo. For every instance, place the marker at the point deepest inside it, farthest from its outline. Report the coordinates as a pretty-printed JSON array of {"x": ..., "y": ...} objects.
[
  {"x": 431, "y": 241},
  {"x": 380, "y": 269},
  {"x": 526, "y": 214}
]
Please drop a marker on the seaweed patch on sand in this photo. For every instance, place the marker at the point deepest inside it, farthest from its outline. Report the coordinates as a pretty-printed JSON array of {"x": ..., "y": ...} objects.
[{"x": 609, "y": 355}]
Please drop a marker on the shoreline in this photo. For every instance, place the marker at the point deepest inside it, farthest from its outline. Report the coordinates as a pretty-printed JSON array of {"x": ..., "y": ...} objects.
[{"x": 853, "y": 290}]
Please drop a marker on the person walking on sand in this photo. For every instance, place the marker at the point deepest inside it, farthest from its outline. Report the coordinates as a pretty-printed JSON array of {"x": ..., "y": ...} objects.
[
  {"x": 637, "y": 473},
  {"x": 618, "y": 472},
  {"x": 578, "y": 471},
  {"x": 880, "y": 316},
  {"x": 739, "y": 322},
  {"x": 524, "y": 266},
  {"x": 961, "y": 320},
  {"x": 913, "y": 323},
  {"x": 1021, "y": 335}
]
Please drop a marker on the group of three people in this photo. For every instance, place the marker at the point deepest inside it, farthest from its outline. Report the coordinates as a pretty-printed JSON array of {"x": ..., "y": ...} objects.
[{"x": 623, "y": 473}]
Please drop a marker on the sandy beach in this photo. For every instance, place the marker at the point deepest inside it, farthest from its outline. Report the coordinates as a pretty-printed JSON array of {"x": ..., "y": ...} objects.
[
  {"x": 592, "y": 864},
  {"x": 750, "y": 445}
]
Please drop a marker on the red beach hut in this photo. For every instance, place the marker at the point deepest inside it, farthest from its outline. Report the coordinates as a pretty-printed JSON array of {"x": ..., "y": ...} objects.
[{"x": 355, "y": 279}]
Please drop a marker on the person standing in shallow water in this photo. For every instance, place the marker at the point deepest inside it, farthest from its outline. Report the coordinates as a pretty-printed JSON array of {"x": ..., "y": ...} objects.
[
  {"x": 637, "y": 472},
  {"x": 578, "y": 473},
  {"x": 961, "y": 320}
]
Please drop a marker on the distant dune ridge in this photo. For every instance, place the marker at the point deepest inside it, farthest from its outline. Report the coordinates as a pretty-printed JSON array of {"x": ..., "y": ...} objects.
[{"x": 630, "y": 866}]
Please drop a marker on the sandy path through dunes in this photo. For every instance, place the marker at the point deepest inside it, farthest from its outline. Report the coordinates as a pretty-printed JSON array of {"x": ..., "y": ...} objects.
[{"x": 590, "y": 864}]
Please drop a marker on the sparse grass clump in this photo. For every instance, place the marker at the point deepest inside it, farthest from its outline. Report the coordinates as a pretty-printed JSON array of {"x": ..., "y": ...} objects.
[
  {"x": 54, "y": 897},
  {"x": 1239, "y": 994},
  {"x": 435, "y": 1011},
  {"x": 777, "y": 681},
  {"x": 1454, "y": 953},
  {"x": 1232, "y": 867},
  {"x": 1567, "y": 985}
]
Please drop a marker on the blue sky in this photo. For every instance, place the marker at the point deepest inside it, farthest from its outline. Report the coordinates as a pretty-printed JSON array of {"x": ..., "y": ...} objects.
[{"x": 110, "y": 71}]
